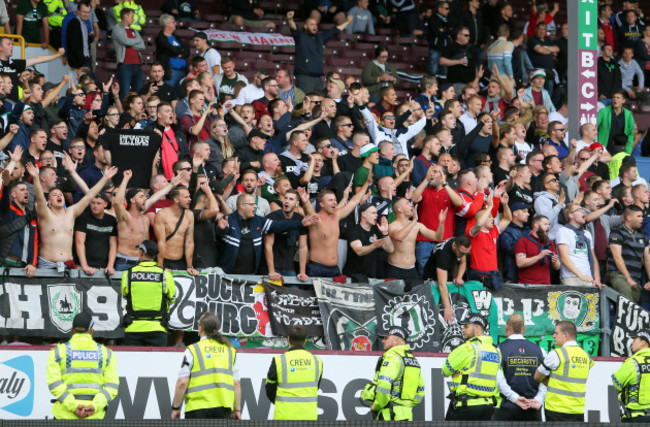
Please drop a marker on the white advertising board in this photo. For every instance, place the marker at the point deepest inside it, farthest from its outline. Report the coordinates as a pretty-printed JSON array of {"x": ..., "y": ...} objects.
[{"x": 148, "y": 378}]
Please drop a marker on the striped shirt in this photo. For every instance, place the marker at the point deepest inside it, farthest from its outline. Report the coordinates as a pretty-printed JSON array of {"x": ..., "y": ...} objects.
[{"x": 632, "y": 243}]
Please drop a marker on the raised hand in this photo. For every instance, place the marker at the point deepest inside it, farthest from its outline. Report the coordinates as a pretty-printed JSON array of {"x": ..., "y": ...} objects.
[
  {"x": 33, "y": 170},
  {"x": 304, "y": 195},
  {"x": 110, "y": 172},
  {"x": 442, "y": 216},
  {"x": 17, "y": 154},
  {"x": 310, "y": 220},
  {"x": 290, "y": 15},
  {"x": 127, "y": 174},
  {"x": 222, "y": 223},
  {"x": 383, "y": 225},
  {"x": 176, "y": 180}
]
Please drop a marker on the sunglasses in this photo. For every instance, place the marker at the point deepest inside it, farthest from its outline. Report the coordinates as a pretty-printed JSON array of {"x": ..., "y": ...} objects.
[{"x": 551, "y": 180}]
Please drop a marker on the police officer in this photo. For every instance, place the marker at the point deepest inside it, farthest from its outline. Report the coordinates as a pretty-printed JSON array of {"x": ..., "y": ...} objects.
[
  {"x": 81, "y": 374},
  {"x": 208, "y": 378},
  {"x": 398, "y": 385},
  {"x": 632, "y": 380},
  {"x": 139, "y": 17},
  {"x": 523, "y": 396},
  {"x": 565, "y": 371},
  {"x": 57, "y": 13},
  {"x": 293, "y": 379},
  {"x": 149, "y": 291},
  {"x": 473, "y": 368}
]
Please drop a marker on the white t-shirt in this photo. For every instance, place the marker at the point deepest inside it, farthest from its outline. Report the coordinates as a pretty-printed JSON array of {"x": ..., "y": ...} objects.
[
  {"x": 581, "y": 145},
  {"x": 579, "y": 256},
  {"x": 213, "y": 58},
  {"x": 188, "y": 362},
  {"x": 523, "y": 148}
]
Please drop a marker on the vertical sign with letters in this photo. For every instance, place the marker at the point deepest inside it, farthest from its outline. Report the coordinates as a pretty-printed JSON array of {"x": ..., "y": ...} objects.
[{"x": 583, "y": 58}]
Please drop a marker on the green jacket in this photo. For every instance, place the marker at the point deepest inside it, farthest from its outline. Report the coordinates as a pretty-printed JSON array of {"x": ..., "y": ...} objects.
[
  {"x": 371, "y": 72},
  {"x": 605, "y": 125}
]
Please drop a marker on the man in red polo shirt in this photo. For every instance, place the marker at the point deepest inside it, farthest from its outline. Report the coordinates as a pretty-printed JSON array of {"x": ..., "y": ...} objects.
[
  {"x": 434, "y": 195},
  {"x": 483, "y": 235},
  {"x": 536, "y": 254}
]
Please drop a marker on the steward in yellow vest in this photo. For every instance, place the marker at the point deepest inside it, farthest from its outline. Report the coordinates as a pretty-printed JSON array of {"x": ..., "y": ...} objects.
[
  {"x": 564, "y": 371},
  {"x": 81, "y": 374},
  {"x": 398, "y": 385},
  {"x": 149, "y": 291},
  {"x": 139, "y": 18},
  {"x": 632, "y": 380},
  {"x": 208, "y": 379},
  {"x": 293, "y": 379},
  {"x": 473, "y": 368}
]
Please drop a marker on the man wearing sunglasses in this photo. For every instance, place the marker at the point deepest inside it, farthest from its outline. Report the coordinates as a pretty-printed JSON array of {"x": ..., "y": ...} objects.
[{"x": 557, "y": 132}]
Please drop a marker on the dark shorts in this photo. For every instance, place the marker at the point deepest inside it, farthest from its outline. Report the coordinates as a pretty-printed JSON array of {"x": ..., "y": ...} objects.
[
  {"x": 516, "y": 414},
  {"x": 218, "y": 413},
  {"x": 315, "y": 269},
  {"x": 552, "y": 416},
  {"x": 175, "y": 264},
  {"x": 393, "y": 272},
  {"x": 145, "y": 339}
]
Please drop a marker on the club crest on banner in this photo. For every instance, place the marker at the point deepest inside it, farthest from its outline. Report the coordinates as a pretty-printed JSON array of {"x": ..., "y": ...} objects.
[
  {"x": 579, "y": 308},
  {"x": 359, "y": 335},
  {"x": 414, "y": 313},
  {"x": 65, "y": 303}
]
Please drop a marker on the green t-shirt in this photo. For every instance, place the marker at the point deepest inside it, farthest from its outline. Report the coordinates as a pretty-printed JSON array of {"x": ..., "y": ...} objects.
[
  {"x": 32, "y": 20},
  {"x": 360, "y": 176},
  {"x": 227, "y": 88}
]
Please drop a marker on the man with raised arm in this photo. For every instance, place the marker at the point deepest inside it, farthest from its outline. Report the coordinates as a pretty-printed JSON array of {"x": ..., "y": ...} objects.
[
  {"x": 324, "y": 235},
  {"x": 56, "y": 222},
  {"x": 174, "y": 228},
  {"x": 132, "y": 224}
]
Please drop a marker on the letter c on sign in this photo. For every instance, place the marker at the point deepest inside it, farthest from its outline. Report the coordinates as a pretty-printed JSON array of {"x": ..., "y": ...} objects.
[{"x": 587, "y": 90}]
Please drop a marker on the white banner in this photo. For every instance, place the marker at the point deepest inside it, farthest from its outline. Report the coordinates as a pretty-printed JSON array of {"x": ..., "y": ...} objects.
[
  {"x": 147, "y": 381},
  {"x": 269, "y": 39}
]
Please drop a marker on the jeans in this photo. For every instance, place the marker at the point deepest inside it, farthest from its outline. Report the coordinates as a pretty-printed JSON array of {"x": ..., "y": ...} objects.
[
  {"x": 422, "y": 253},
  {"x": 176, "y": 76},
  {"x": 129, "y": 76},
  {"x": 289, "y": 273},
  {"x": 122, "y": 264},
  {"x": 434, "y": 67}
]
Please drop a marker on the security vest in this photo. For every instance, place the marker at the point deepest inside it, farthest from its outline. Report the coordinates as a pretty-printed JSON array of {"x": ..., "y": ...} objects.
[
  {"x": 81, "y": 363},
  {"x": 56, "y": 11},
  {"x": 139, "y": 18},
  {"x": 478, "y": 378},
  {"x": 632, "y": 379},
  {"x": 398, "y": 385},
  {"x": 567, "y": 385},
  {"x": 211, "y": 378},
  {"x": 145, "y": 287},
  {"x": 520, "y": 359},
  {"x": 296, "y": 397}
]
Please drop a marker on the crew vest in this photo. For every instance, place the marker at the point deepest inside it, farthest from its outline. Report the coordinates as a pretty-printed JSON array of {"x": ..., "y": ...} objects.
[
  {"x": 520, "y": 359},
  {"x": 479, "y": 379},
  {"x": 567, "y": 386},
  {"x": 146, "y": 300},
  {"x": 211, "y": 378},
  {"x": 297, "y": 392},
  {"x": 636, "y": 397},
  {"x": 82, "y": 362}
]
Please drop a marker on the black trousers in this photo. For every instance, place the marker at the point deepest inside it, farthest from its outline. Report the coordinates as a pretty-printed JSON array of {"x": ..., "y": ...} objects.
[
  {"x": 636, "y": 420},
  {"x": 218, "y": 413},
  {"x": 516, "y": 414},
  {"x": 145, "y": 339},
  {"x": 552, "y": 416},
  {"x": 470, "y": 413}
]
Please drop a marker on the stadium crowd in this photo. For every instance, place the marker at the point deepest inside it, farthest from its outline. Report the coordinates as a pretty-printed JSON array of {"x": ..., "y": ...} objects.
[{"x": 291, "y": 172}]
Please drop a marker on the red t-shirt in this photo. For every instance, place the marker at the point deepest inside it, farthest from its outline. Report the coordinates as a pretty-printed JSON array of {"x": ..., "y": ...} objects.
[
  {"x": 484, "y": 250},
  {"x": 131, "y": 55},
  {"x": 537, "y": 97},
  {"x": 205, "y": 131},
  {"x": 434, "y": 201},
  {"x": 536, "y": 274}
]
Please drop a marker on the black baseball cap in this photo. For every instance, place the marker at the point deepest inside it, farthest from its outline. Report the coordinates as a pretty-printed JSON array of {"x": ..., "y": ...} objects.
[
  {"x": 396, "y": 330},
  {"x": 258, "y": 133},
  {"x": 83, "y": 321},
  {"x": 476, "y": 319},
  {"x": 644, "y": 334},
  {"x": 201, "y": 35},
  {"x": 148, "y": 247}
]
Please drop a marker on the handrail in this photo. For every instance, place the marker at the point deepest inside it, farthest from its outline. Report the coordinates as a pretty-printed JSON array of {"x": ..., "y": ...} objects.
[{"x": 21, "y": 39}]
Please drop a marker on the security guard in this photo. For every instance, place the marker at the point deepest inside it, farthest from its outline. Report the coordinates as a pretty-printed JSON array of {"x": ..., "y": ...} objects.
[
  {"x": 208, "y": 378},
  {"x": 473, "y": 368},
  {"x": 293, "y": 379},
  {"x": 81, "y": 374},
  {"x": 398, "y": 385},
  {"x": 632, "y": 380},
  {"x": 149, "y": 291},
  {"x": 523, "y": 396},
  {"x": 564, "y": 371},
  {"x": 139, "y": 18},
  {"x": 57, "y": 13}
]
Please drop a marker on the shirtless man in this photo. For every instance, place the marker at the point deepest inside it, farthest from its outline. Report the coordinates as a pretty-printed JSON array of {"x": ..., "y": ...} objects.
[
  {"x": 324, "y": 235},
  {"x": 404, "y": 232},
  {"x": 174, "y": 227},
  {"x": 56, "y": 223},
  {"x": 132, "y": 224}
]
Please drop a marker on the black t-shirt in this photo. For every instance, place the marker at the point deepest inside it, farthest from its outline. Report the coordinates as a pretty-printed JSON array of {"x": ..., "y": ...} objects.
[
  {"x": 291, "y": 170},
  {"x": 165, "y": 92},
  {"x": 500, "y": 175},
  {"x": 98, "y": 235},
  {"x": 442, "y": 257},
  {"x": 368, "y": 264},
  {"x": 540, "y": 60},
  {"x": 245, "y": 263},
  {"x": 285, "y": 244},
  {"x": 349, "y": 163},
  {"x": 134, "y": 150},
  {"x": 520, "y": 194},
  {"x": 460, "y": 73},
  {"x": 13, "y": 67},
  {"x": 205, "y": 251}
]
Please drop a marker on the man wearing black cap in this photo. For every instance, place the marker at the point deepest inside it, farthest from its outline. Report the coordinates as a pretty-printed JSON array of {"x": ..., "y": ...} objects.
[
  {"x": 398, "y": 385},
  {"x": 631, "y": 380},
  {"x": 366, "y": 240},
  {"x": 251, "y": 155},
  {"x": 81, "y": 374},
  {"x": 473, "y": 368},
  {"x": 149, "y": 291},
  {"x": 208, "y": 53}
]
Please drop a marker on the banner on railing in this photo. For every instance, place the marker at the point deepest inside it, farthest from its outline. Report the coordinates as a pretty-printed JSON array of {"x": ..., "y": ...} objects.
[
  {"x": 543, "y": 306},
  {"x": 288, "y": 307},
  {"x": 46, "y": 307},
  {"x": 269, "y": 39},
  {"x": 630, "y": 318}
]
